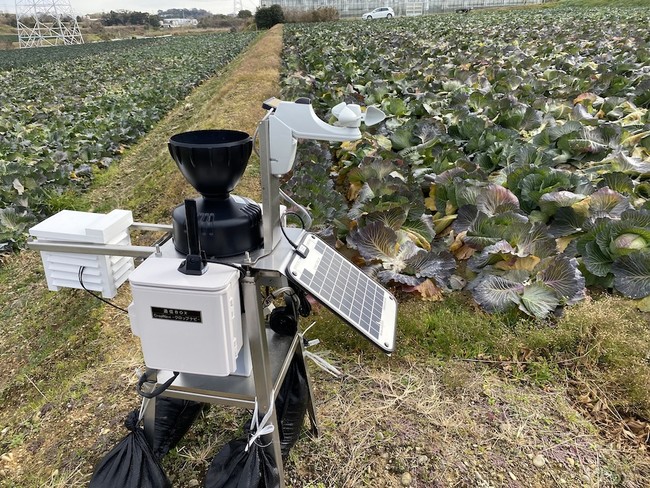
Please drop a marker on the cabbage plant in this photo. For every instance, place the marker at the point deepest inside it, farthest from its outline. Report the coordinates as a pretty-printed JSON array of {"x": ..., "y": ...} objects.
[{"x": 616, "y": 253}]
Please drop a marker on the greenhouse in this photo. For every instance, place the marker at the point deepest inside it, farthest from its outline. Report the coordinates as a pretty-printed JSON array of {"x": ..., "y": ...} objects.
[{"x": 356, "y": 8}]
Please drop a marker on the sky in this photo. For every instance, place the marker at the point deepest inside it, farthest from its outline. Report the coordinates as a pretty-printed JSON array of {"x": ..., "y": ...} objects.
[{"x": 82, "y": 7}]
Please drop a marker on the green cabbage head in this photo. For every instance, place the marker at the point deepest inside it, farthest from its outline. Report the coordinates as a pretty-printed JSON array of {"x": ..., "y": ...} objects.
[{"x": 627, "y": 243}]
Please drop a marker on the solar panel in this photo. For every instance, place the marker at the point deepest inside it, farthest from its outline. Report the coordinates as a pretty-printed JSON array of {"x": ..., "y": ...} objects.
[{"x": 346, "y": 290}]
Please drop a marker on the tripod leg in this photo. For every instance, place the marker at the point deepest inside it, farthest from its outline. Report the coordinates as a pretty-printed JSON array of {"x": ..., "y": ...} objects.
[
  {"x": 254, "y": 322},
  {"x": 148, "y": 413},
  {"x": 311, "y": 409}
]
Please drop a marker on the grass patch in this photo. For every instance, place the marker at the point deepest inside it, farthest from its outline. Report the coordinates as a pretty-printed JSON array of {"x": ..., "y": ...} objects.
[
  {"x": 594, "y": 361},
  {"x": 603, "y": 340},
  {"x": 68, "y": 199},
  {"x": 600, "y": 340}
]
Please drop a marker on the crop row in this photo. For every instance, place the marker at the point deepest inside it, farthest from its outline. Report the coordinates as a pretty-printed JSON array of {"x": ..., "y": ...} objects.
[
  {"x": 515, "y": 159},
  {"x": 67, "y": 111}
]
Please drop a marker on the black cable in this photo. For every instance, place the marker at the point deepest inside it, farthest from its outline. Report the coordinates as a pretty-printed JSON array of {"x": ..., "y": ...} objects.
[
  {"x": 144, "y": 378},
  {"x": 81, "y": 282},
  {"x": 295, "y": 214},
  {"x": 304, "y": 306},
  {"x": 162, "y": 240},
  {"x": 293, "y": 244},
  {"x": 236, "y": 266}
]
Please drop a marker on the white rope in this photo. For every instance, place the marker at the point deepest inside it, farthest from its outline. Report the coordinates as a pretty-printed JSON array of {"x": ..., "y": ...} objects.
[
  {"x": 261, "y": 427},
  {"x": 323, "y": 364},
  {"x": 256, "y": 134},
  {"x": 143, "y": 408},
  {"x": 287, "y": 290},
  {"x": 320, "y": 361},
  {"x": 310, "y": 326}
]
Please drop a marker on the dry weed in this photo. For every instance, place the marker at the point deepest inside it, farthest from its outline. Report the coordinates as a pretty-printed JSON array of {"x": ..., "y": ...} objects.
[{"x": 455, "y": 424}]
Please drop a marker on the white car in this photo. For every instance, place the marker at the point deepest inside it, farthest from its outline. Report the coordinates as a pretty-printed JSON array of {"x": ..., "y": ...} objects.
[{"x": 379, "y": 13}]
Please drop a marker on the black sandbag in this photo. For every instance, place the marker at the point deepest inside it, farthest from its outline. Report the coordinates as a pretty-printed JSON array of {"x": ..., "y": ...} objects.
[
  {"x": 174, "y": 417},
  {"x": 131, "y": 463},
  {"x": 291, "y": 405},
  {"x": 234, "y": 467}
]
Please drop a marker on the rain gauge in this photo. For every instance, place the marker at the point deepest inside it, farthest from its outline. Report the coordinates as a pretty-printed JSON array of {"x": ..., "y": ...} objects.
[{"x": 198, "y": 305}]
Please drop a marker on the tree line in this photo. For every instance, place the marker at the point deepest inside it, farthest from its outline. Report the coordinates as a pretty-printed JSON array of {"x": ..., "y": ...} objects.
[{"x": 125, "y": 17}]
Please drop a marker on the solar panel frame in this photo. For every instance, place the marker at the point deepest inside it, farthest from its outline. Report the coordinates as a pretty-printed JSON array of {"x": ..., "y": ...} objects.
[{"x": 347, "y": 291}]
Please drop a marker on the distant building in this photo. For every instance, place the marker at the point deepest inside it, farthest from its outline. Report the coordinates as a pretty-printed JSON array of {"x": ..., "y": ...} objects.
[{"x": 175, "y": 23}]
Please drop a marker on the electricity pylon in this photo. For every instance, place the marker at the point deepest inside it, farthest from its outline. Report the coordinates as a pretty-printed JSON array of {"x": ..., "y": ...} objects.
[{"x": 46, "y": 23}]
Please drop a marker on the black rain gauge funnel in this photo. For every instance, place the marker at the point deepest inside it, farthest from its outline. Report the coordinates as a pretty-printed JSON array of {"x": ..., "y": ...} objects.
[{"x": 213, "y": 161}]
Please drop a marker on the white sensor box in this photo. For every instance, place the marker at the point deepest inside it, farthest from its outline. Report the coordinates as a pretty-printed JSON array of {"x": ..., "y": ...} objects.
[
  {"x": 190, "y": 324},
  {"x": 101, "y": 273}
]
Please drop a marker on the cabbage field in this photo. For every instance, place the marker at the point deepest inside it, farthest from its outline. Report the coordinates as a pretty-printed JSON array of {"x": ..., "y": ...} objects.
[
  {"x": 514, "y": 162},
  {"x": 68, "y": 111}
]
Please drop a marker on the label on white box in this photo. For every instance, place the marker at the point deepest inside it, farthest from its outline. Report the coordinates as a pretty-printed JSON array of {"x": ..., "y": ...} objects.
[{"x": 193, "y": 316}]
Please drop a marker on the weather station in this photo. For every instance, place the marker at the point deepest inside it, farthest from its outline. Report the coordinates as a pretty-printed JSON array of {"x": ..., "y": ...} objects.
[{"x": 202, "y": 300}]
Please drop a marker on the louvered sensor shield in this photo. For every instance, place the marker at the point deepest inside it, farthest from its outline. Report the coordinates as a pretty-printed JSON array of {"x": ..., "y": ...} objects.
[{"x": 346, "y": 290}]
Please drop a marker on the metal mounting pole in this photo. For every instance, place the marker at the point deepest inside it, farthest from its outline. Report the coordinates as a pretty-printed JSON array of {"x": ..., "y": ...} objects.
[
  {"x": 254, "y": 322},
  {"x": 270, "y": 191},
  {"x": 311, "y": 408}
]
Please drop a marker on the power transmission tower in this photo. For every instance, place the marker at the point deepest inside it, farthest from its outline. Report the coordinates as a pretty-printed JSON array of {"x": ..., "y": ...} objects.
[
  {"x": 46, "y": 23},
  {"x": 238, "y": 6}
]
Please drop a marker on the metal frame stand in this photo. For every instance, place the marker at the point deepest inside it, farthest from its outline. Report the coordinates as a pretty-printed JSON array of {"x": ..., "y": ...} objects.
[
  {"x": 265, "y": 357},
  {"x": 270, "y": 355}
]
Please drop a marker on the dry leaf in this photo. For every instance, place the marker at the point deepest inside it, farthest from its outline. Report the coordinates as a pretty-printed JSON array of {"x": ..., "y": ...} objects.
[
  {"x": 563, "y": 242},
  {"x": 18, "y": 187},
  {"x": 516, "y": 263},
  {"x": 353, "y": 191},
  {"x": 592, "y": 97},
  {"x": 429, "y": 291},
  {"x": 644, "y": 304},
  {"x": 458, "y": 241},
  {"x": 459, "y": 249}
]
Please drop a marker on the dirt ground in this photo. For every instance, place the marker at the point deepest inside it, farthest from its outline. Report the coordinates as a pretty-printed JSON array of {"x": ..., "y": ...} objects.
[
  {"x": 424, "y": 423},
  {"x": 386, "y": 422}
]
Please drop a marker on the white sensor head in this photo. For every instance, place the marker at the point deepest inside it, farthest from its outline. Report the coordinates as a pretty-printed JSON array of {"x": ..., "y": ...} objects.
[
  {"x": 373, "y": 116},
  {"x": 350, "y": 115}
]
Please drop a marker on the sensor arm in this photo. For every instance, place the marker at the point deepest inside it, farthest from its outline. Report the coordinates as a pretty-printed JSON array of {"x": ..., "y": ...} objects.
[
  {"x": 290, "y": 121},
  {"x": 279, "y": 132},
  {"x": 300, "y": 117}
]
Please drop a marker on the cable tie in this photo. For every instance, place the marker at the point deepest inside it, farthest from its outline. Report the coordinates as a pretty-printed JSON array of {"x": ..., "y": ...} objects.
[{"x": 268, "y": 309}]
